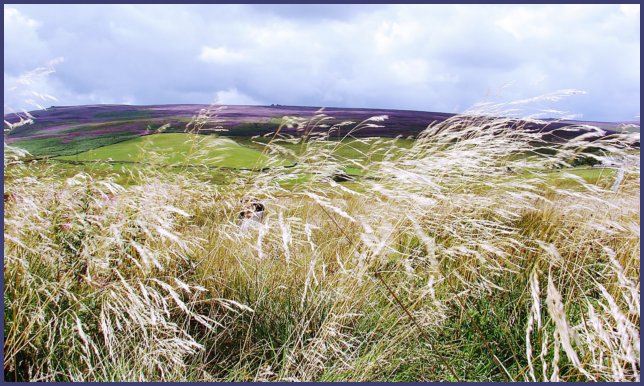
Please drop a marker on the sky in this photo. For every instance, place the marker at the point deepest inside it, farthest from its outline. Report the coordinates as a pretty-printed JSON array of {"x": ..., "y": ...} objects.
[{"x": 445, "y": 58}]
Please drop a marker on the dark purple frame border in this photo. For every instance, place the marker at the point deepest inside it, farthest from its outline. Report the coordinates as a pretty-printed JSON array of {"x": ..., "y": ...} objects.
[{"x": 262, "y": 2}]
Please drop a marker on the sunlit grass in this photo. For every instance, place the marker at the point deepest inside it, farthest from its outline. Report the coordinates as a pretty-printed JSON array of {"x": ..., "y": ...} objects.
[
  {"x": 179, "y": 149},
  {"x": 448, "y": 258}
]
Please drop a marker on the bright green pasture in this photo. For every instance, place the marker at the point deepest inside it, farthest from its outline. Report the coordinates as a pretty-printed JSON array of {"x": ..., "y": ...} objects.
[
  {"x": 561, "y": 178},
  {"x": 181, "y": 149},
  {"x": 354, "y": 153}
]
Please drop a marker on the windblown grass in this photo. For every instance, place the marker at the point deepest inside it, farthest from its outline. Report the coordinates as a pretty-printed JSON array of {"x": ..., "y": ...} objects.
[{"x": 449, "y": 259}]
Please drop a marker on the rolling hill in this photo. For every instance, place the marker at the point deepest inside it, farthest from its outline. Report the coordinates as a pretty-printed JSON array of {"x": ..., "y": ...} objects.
[{"x": 67, "y": 130}]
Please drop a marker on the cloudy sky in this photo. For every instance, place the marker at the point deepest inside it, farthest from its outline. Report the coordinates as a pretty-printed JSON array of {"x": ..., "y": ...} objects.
[{"x": 420, "y": 57}]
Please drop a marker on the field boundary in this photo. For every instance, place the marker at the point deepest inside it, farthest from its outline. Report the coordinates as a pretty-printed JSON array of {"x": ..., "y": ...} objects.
[{"x": 112, "y": 162}]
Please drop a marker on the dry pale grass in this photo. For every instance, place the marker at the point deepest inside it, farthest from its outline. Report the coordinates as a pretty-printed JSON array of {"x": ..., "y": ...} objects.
[{"x": 456, "y": 259}]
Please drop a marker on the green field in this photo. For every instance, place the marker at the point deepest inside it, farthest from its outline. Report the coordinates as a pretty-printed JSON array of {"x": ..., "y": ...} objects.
[
  {"x": 53, "y": 146},
  {"x": 188, "y": 150},
  {"x": 241, "y": 153},
  {"x": 181, "y": 149}
]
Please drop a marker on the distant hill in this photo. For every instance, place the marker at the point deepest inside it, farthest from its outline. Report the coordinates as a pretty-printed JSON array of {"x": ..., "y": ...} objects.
[{"x": 60, "y": 127}]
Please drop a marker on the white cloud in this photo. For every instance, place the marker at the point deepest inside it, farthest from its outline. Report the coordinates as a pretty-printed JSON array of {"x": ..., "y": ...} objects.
[
  {"x": 390, "y": 35},
  {"x": 24, "y": 49},
  {"x": 630, "y": 9},
  {"x": 13, "y": 17},
  {"x": 220, "y": 55},
  {"x": 234, "y": 97},
  {"x": 411, "y": 70},
  {"x": 526, "y": 23}
]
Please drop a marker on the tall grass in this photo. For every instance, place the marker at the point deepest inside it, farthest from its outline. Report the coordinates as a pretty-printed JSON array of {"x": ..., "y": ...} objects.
[{"x": 460, "y": 258}]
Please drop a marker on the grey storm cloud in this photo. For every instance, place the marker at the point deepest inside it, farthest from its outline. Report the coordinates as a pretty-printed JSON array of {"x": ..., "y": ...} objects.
[{"x": 422, "y": 57}]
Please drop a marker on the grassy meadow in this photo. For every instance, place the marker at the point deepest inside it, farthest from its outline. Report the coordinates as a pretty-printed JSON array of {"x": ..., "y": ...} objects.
[
  {"x": 180, "y": 149},
  {"x": 462, "y": 255}
]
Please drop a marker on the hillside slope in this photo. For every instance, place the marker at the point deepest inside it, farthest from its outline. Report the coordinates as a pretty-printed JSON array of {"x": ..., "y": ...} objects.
[{"x": 59, "y": 128}]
